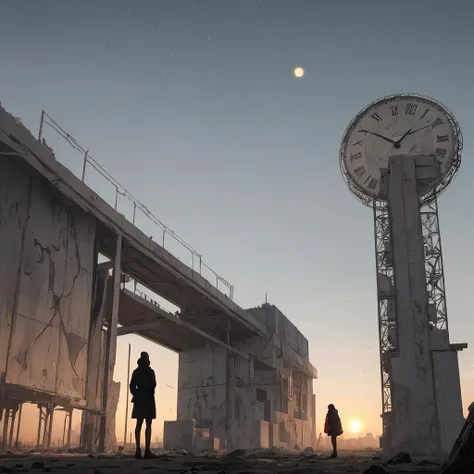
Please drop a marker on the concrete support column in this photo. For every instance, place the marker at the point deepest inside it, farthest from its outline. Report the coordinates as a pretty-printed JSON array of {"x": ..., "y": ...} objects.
[
  {"x": 6, "y": 419},
  {"x": 68, "y": 445},
  {"x": 13, "y": 413},
  {"x": 50, "y": 425},
  {"x": 415, "y": 424},
  {"x": 111, "y": 342},
  {"x": 231, "y": 390},
  {"x": 17, "y": 438}
]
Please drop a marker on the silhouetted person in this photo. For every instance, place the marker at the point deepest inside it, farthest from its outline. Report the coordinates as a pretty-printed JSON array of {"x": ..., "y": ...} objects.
[
  {"x": 142, "y": 386},
  {"x": 333, "y": 428}
]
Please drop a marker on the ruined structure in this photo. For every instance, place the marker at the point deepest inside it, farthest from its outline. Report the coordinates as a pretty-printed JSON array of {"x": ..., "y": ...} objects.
[
  {"x": 397, "y": 156},
  {"x": 264, "y": 400},
  {"x": 244, "y": 376}
]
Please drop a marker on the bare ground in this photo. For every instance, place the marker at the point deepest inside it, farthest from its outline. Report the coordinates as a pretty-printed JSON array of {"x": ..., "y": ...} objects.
[{"x": 234, "y": 463}]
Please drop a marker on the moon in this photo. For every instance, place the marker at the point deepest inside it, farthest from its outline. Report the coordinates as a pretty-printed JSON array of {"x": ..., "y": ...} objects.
[{"x": 298, "y": 72}]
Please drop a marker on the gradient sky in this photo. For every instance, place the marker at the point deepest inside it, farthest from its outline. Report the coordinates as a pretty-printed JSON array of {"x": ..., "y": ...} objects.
[{"x": 193, "y": 106}]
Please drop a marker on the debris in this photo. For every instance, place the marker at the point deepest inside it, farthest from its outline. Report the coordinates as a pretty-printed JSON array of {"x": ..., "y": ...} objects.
[
  {"x": 308, "y": 452},
  {"x": 375, "y": 470},
  {"x": 427, "y": 462},
  {"x": 461, "y": 458},
  {"x": 237, "y": 453},
  {"x": 38, "y": 465},
  {"x": 400, "y": 458}
]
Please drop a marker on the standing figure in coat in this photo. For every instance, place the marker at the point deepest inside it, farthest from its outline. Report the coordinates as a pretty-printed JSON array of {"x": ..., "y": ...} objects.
[
  {"x": 142, "y": 387},
  {"x": 333, "y": 428}
]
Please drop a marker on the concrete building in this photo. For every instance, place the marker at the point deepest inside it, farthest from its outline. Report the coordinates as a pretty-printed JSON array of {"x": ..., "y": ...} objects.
[
  {"x": 244, "y": 374},
  {"x": 264, "y": 401}
]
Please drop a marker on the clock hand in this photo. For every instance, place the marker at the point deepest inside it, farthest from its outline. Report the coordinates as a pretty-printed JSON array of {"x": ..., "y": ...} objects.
[
  {"x": 377, "y": 135},
  {"x": 418, "y": 129},
  {"x": 398, "y": 142}
]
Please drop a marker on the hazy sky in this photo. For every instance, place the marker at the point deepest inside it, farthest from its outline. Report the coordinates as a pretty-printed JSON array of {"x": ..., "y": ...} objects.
[{"x": 193, "y": 106}]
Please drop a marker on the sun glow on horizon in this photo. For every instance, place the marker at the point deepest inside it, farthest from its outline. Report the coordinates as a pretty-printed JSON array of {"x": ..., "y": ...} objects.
[{"x": 355, "y": 426}]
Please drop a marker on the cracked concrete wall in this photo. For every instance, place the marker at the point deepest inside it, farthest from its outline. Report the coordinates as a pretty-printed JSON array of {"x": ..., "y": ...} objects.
[
  {"x": 14, "y": 198},
  {"x": 277, "y": 323},
  {"x": 448, "y": 397},
  {"x": 97, "y": 341},
  {"x": 202, "y": 390},
  {"x": 48, "y": 255}
]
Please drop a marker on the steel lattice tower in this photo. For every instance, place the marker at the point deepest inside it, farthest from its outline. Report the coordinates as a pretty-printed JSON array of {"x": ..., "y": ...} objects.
[{"x": 435, "y": 285}]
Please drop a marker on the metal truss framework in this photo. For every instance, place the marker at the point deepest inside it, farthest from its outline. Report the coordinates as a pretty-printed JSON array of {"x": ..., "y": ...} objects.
[
  {"x": 435, "y": 286},
  {"x": 386, "y": 302}
]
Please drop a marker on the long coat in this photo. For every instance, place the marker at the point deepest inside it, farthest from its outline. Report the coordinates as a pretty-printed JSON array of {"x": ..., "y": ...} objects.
[
  {"x": 333, "y": 424},
  {"x": 142, "y": 387}
]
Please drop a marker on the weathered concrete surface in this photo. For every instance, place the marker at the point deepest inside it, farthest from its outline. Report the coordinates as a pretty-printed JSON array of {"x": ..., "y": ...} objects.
[
  {"x": 248, "y": 402},
  {"x": 46, "y": 265},
  {"x": 264, "y": 462},
  {"x": 426, "y": 398},
  {"x": 143, "y": 258}
]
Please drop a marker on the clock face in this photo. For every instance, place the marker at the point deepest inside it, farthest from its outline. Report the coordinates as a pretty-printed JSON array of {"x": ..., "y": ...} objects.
[{"x": 397, "y": 125}]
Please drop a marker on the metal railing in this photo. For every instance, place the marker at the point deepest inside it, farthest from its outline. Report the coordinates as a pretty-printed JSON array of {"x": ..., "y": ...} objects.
[{"x": 89, "y": 160}]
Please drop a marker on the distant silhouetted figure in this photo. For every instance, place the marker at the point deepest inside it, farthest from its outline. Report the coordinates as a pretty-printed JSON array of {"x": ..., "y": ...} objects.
[
  {"x": 333, "y": 428},
  {"x": 142, "y": 386}
]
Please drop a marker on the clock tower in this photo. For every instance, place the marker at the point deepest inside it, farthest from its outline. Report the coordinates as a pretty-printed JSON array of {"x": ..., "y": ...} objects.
[{"x": 397, "y": 156}]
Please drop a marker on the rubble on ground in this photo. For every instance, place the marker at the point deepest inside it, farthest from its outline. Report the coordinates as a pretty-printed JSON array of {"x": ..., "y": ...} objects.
[{"x": 235, "y": 462}]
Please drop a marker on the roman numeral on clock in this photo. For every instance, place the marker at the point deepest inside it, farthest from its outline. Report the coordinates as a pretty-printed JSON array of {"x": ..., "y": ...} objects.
[
  {"x": 394, "y": 110},
  {"x": 424, "y": 114},
  {"x": 377, "y": 117},
  {"x": 356, "y": 156},
  {"x": 372, "y": 183},
  {"x": 358, "y": 143},
  {"x": 359, "y": 171},
  {"x": 442, "y": 138},
  {"x": 437, "y": 122},
  {"x": 440, "y": 152},
  {"x": 410, "y": 109}
]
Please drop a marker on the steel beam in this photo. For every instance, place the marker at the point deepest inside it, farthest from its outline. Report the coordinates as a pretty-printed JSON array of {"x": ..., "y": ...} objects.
[{"x": 124, "y": 330}]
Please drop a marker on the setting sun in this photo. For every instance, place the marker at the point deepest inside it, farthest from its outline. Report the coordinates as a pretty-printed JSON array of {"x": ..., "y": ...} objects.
[{"x": 355, "y": 426}]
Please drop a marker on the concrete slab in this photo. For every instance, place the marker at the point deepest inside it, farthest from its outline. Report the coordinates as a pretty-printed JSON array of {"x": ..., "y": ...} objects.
[{"x": 143, "y": 258}]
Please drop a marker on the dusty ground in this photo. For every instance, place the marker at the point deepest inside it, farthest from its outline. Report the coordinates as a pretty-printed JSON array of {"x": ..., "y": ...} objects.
[{"x": 234, "y": 463}]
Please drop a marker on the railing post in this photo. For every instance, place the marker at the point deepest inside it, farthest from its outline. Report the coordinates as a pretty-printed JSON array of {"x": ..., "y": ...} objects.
[
  {"x": 134, "y": 212},
  {"x": 116, "y": 197},
  {"x": 40, "y": 133},
  {"x": 164, "y": 232},
  {"x": 84, "y": 165}
]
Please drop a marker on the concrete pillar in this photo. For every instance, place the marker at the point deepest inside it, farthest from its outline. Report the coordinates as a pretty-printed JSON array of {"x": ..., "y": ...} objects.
[
  {"x": 68, "y": 445},
  {"x": 6, "y": 419},
  {"x": 17, "y": 438},
  {"x": 111, "y": 342},
  {"x": 415, "y": 425},
  {"x": 50, "y": 419}
]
